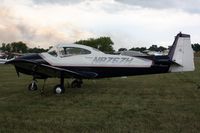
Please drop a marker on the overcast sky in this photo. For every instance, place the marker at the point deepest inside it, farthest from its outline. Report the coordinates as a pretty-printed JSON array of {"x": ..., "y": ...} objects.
[{"x": 129, "y": 23}]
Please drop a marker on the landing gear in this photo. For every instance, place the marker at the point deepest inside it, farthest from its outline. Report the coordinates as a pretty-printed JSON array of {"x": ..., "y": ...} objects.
[
  {"x": 60, "y": 89},
  {"x": 33, "y": 86},
  {"x": 77, "y": 83},
  {"x": 42, "y": 89}
]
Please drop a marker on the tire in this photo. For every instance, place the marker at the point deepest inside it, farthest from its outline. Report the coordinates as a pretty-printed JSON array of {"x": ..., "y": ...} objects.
[
  {"x": 76, "y": 84},
  {"x": 32, "y": 86},
  {"x": 58, "y": 89}
]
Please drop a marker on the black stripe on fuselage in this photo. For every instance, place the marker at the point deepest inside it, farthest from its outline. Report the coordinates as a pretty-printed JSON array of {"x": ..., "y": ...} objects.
[{"x": 104, "y": 72}]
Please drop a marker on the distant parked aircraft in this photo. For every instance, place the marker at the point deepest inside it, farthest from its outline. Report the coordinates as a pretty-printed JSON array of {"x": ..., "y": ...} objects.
[
  {"x": 4, "y": 57},
  {"x": 3, "y": 61},
  {"x": 83, "y": 62}
]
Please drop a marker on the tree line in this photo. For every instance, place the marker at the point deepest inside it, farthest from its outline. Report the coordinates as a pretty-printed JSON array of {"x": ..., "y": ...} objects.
[
  {"x": 104, "y": 44},
  {"x": 20, "y": 47},
  {"x": 195, "y": 47},
  {"x": 142, "y": 49}
]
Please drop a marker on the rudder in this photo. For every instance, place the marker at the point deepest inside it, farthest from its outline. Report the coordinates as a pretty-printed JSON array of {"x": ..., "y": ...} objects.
[{"x": 181, "y": 54}]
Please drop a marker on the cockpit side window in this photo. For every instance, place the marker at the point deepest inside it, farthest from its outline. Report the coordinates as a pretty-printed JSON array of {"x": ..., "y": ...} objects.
[
  {"x": 53, "y": 53},
  {"x": 69, "y": 51}
]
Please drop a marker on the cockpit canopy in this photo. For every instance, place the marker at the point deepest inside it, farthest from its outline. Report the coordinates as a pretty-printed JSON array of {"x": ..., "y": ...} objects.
[{"x": 70, "y": 50}]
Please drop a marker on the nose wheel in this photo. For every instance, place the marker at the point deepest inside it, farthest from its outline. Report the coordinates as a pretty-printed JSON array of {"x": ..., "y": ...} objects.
[
  {"x": 58, "y": 89},
  {"x": 33, "y": 86}
]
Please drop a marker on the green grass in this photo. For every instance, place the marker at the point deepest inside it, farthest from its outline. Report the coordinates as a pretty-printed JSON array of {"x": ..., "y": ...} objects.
[{"x": 153, "y": 103}]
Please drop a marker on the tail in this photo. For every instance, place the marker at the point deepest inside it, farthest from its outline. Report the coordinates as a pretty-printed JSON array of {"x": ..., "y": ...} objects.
[{"x": 181, "y": 54}]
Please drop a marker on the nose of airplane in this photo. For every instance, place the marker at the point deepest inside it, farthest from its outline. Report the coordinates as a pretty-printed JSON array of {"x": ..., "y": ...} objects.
[
  {"x": 28, "y": 57},
  {"x": 32, "y": 57}
]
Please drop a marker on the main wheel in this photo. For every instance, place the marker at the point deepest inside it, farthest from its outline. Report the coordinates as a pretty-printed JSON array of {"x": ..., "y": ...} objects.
[
  {"x": 76, "y": 84},
  {"x": 32, "y": 86},
  {"x": 58, "y": 89}
]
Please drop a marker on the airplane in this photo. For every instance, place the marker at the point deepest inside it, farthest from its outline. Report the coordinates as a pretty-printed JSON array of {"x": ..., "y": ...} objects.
[
  {"x": 5, "y": 57},
  {"x": 83, "y": 62},
  {"x": 3, "y": 61}
]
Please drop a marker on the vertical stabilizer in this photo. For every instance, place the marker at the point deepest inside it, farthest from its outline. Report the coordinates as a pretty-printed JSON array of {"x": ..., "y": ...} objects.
[{"x": 181, "y": 54}]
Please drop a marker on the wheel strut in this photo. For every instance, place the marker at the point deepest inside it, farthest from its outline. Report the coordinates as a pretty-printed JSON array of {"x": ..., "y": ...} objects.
[
  {"x": 42, "y": 89},
  {"x": 60, "y": 88},
  {"x": 33, "y": 85}
]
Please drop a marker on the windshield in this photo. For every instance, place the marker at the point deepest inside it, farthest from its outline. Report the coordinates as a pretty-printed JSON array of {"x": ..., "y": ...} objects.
[
  {"x": 69, "y": 51},
  {"x": 53, "y": 52}
]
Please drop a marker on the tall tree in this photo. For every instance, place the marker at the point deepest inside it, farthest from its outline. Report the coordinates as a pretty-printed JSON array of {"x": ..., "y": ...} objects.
[
  {"x": 3, "y": 47},
  {"x": 103, "y": 43},
  {"x": 8, "y": 47},
  {"x": 19, "y": 47},
  {"x": 196, "y": 47}
]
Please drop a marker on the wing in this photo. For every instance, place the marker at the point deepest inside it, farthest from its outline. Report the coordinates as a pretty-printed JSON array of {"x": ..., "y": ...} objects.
[{"x": 44, "y": 70}]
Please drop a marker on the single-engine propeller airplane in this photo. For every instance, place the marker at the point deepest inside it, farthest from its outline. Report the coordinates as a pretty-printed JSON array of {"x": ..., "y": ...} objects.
[{"x": 83, "y": 62}]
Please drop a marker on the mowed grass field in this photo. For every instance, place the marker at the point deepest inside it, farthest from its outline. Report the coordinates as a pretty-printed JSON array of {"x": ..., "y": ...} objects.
[{"x": 153, "y": 103}]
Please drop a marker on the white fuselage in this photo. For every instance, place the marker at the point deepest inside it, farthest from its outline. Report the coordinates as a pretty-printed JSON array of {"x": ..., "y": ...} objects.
[{"x": 95, "y": 59}]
